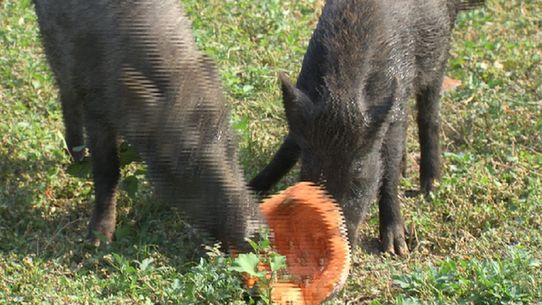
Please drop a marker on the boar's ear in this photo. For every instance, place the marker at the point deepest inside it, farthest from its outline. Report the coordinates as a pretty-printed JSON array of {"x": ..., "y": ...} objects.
[{"x": 297, "y": 105}]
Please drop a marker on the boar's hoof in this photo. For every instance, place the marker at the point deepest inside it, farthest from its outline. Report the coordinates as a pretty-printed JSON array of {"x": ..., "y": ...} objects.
[
  {"x": 77, "y": 153},
  {"x": 427, "y": 187},
  {"x": 393, "y": 240},
  {"x": 101, "y": 230},
  {"x": 95, "y": 237}
]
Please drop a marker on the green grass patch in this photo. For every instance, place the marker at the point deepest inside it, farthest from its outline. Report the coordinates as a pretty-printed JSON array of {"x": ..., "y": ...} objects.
[
  {"x": 511, "y": 278},
  {"x": 478, "y": 242}
]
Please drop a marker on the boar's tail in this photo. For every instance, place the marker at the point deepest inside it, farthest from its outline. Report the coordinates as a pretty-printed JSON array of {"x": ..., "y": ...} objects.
[
  {"x": 463, "y": 5},
  {"x": 282, "y": 162}
]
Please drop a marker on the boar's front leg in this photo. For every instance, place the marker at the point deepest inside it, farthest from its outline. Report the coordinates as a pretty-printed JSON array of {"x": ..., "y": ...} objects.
[
  {"x": 72, "y": 111},
  {"x": 427, "y": 102},
  {"x": 392, "y": 228},
  {"x": 105, "y": 168},
  {"x": 404, "y": 163},
  {"x": 283, "y": 161}
]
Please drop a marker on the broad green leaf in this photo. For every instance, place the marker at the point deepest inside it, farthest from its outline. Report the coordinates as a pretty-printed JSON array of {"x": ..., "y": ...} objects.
[{"x": 246, "y": 263}]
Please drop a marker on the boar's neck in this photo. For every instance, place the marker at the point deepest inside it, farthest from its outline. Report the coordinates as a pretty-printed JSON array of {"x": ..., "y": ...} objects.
[{"x": 310, "y": 79}]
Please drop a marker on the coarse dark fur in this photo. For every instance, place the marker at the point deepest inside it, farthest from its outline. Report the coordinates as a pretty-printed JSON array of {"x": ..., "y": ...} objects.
[
  {"x": 131, "y": 69},
  {"x": 347, "y": 114}
]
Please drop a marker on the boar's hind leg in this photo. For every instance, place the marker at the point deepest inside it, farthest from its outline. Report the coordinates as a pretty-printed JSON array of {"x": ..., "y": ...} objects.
[
  {"x": 72, "y": 111},
  {"x": 282, "y": 162},
  {"x": 105, "y": 169},
  {"x": 392, "y": 229},
  {"x": 427, "y": 101}
]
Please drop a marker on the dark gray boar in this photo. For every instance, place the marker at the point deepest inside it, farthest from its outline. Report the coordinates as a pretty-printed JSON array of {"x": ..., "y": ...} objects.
[
  {"x": 347, "y": 114},
  {"x": 131, "y": 69}
]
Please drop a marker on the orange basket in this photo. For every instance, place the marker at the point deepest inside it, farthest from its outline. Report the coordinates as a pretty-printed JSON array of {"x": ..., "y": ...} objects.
[{"x": 307, "y": 227}]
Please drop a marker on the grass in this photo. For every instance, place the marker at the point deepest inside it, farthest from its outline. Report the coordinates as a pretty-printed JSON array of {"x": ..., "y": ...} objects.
[{"x": 479, "y": 242}]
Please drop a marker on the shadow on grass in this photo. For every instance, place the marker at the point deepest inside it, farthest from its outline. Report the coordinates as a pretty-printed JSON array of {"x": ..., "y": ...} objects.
[{"x": 35, "y": 221}]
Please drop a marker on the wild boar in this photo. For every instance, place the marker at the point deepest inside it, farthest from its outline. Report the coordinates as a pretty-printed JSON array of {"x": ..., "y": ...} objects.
[
  {"x": 347, "y": 114},
  {"x": 131, "y": 69}
]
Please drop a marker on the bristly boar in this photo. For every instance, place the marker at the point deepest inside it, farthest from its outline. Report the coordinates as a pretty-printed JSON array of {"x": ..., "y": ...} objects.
[
  {"x": 347, "y": 114},
  {"x": 131, "y": 69}
]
